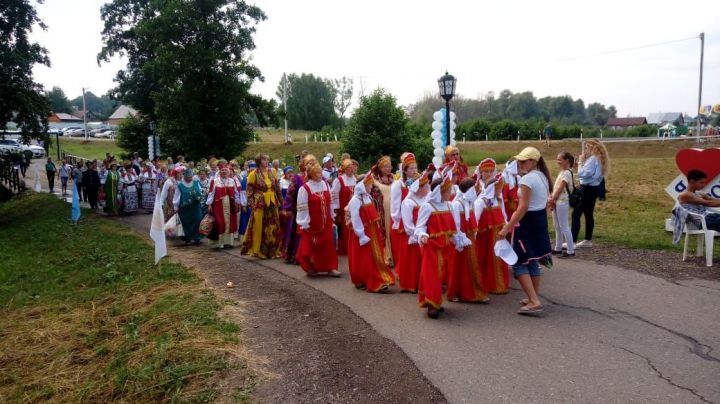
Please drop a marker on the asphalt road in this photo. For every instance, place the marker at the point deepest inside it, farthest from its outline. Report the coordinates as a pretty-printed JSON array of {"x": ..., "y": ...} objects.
[{"x": 608, "y": 335}]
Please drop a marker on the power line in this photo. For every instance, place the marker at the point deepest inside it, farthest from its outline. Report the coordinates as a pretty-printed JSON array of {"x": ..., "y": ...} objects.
[{"x": 625, "y": 49}]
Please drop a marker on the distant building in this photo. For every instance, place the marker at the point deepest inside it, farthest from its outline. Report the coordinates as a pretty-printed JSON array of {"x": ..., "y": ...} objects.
[
  {"x": 123, "y": 112},
  {"x": 661, "y": 118},
  {"x": 61, "y": 117},
  {"x": 80, "y": 114},
  {"x": 623, "y": 123}
]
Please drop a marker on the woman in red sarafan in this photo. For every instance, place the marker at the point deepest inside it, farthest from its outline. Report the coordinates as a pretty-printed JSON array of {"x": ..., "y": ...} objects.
[
  {"x": 315, "y": 221},
  {"x": 409, "y": 262},
  {"x": 341, "y": 192},
  {"x": 437, "y": 235},
  {"x": 223, "y": 203},
  {"x": 366, "y": 259},
  {"x": 464, "y": 279},
  {"x": 490, "y": 215},
  {"x": 398, "y": 193}
]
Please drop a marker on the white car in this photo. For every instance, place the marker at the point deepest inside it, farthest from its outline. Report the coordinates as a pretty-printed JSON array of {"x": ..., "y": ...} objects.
[
  {"x": 107, "y": 134},
  {"x": 8, "y": 146},
  {"x": 17, "y": 147}
]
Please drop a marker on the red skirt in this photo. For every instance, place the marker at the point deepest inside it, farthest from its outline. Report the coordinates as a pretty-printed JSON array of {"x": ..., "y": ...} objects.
[
  {"x": 398, "y": 240},
  {"x": 494, "y": 273},
  {"x": 408, "y": 267},
  {"x": 317, "y": 252},
  {"x": 435, "y": 260},
  {"x": 367, "y": 263},
  {"x": 464, "y": 278}
]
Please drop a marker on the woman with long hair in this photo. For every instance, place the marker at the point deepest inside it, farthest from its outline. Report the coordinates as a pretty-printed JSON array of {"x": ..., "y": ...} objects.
[
  {"x": 594, "y": 166},
  {"x": 263, "y": 238},
  {"x": 398, "y": 192},
  {"x": 560, "y": 205},
  {"x": 531, "y": 240},
  {"x": 380, "y": 194}
]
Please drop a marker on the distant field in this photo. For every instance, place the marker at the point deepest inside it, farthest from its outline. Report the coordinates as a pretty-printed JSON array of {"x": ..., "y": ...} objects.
[{"x": 94, "y": 149}]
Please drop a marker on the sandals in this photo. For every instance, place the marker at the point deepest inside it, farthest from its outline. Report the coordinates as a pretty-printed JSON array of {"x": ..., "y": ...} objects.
[{"x": 530, "y": 311}]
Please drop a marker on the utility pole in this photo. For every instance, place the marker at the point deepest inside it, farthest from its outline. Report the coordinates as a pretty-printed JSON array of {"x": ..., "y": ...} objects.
[
  {"x": 702, "y": 51},
  {"x": 285, "y": 85},
  {"x": 84, "y": 115}
]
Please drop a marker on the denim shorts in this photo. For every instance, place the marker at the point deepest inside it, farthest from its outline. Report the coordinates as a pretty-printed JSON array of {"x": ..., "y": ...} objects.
[{"x": 532, "y": 268}]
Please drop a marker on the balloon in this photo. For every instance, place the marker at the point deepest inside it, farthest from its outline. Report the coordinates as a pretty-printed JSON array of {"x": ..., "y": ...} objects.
[
  {"x": 453, "y": 125},
  {"x": 452, "y": 142},
  {"x": 437, "y": 143},
  {"x": 452, "y": 133},
  {"x": 437, "y": 125},
  {"x": 436, "y": 134},
  {"x": 452, "y": 116},
  {"x": 437, "y": 115},
  {"x": 437, "y": 161},
  {"x": 439, "y": 152}
]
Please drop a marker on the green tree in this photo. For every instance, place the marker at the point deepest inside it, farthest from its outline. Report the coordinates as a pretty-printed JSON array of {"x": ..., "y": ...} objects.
[
  {"x": 58, "y": 101},
  {"x": 102, "y": 107},
  {"x": 310, "y": 103},
  {"x": 21, "y": 98},
  {"x": 132, "y": 136},
  {"x": 378, "y": 127},
  {"x": 188, "y": 69},
  {"x": 343, "y": 96}
]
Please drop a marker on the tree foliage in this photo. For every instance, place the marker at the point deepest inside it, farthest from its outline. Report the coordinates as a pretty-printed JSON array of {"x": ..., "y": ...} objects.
[
  {"x": 378, "y": 127},
  {"x": 102, "y": 106},
  {"x": 21, "y": 98},
  {"x": 132, "y": 135},
  {"x": 516, "y": 107},
  {"x": 343, "y": 96},
  {"x": 58, "y": 101},
  {"x": 310, "y": 102},
  {"x": 188, "y": 69}
]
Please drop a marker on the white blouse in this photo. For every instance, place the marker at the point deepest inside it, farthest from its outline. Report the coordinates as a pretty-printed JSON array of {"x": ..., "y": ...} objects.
[
  {"x": 426, "y": 210},
  {"x": 218, "y": 182},
  {"x": 406, "y": 211},
  {"x": 303, "y": 213},
  {"x": 354, "y": 206},
  {"x": 335, "y": 190},
  {"x": 396, "y": 202}
]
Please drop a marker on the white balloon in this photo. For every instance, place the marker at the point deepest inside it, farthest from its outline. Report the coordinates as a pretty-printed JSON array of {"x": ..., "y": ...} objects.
[
  {"x": 452, "y": 142},
  {"x": 437, "y": 161},
  {"x": 439, "y": 152},
  {"x": 452, "y": 116},
  {"x": 437, "y": 115},
  {"x": 453, "y": 125},
  {"x": 436, "y": 134},
  {"x": 437, "y": 125},
  {"x": 437, "y": 143},
  {"x": 452, "y": 134}
]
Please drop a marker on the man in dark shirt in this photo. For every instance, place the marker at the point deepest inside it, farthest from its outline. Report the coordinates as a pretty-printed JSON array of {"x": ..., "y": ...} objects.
[{"x": 91, "y": 182}]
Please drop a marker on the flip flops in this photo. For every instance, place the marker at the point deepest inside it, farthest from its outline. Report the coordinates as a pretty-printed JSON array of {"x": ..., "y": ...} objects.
[{"x": 527, "y": 311}]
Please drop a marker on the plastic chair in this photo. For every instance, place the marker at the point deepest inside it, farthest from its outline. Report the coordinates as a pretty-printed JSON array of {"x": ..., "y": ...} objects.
[{"x": 706, "y": 238}]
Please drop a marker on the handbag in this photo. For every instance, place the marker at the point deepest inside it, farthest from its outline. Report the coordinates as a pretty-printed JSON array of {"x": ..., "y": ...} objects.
[
  {"x": 574, "y": 197},
  {"x": 206, "y": 224}
]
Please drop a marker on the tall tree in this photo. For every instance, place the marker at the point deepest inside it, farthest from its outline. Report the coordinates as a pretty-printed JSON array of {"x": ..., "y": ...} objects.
[
  {"x": 21, "y": 98},
  {"x": 188, "y": 69},
  {"x": 343, "y": 96},
  {"x": 102, "y": 106},
  {"x": 378, "y": 127},
  {"x": 58, "y": 101},
  {"x": 311, "y": 102}
]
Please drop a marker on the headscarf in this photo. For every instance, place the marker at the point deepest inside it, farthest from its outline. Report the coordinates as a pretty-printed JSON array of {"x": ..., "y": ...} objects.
[
  {"x": 288, "y": 169},
  {"x": 510, "y": 173},
  {"x": 188, "y": 172},
  {"x": 446, "y": 175},
  {"x": 423, "y": 180}
]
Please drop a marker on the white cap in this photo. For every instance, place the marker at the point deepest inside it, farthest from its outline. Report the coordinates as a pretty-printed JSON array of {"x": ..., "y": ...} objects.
[
  {"x": 505, "y": 252},
  {"x": 327, "y": 158}
]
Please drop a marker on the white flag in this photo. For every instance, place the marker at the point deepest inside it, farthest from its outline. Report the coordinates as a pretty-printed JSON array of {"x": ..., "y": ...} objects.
[{"x": 157, "y": 234}]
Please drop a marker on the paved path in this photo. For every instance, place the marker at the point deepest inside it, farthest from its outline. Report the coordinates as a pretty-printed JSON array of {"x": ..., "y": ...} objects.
[{"x": 609, "y": 335}]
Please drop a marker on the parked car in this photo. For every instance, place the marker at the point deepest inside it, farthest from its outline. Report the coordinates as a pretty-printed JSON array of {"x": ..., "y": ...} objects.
[
  {"x": 76, "y": 133},
  {"x": 67, "y": 130},
  {"x": 15, "y": 146},
  {"x": 9, "y": 146},
  {"x": 107, "y": 134}
]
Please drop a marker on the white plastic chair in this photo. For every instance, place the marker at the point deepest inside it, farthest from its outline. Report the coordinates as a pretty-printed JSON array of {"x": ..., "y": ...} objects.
[{"x": 705, "y": 240}]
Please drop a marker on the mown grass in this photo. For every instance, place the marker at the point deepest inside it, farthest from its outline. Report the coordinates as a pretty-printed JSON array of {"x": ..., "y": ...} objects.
[
  {"x": 88, "y": 318},
  {"x": 94, "y": 149}
]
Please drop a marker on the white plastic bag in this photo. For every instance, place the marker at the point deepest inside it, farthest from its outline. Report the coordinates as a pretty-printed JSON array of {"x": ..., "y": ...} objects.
[{"x": 173, "y": 228}]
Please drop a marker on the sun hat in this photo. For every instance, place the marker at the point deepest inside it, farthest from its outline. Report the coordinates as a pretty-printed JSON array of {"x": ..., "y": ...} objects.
[
  {"x": 528, "y": 153},
  {"x": 505, "y": 252}
]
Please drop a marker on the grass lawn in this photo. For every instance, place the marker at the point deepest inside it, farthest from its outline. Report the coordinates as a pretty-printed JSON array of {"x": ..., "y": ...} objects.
[
  {"x": 88, "y": 318},
  {"x": 94, "y": 149}
]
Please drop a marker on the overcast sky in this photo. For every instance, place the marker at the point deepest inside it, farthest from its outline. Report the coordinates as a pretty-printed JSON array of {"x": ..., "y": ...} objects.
[{"x": 547, "y": 47}]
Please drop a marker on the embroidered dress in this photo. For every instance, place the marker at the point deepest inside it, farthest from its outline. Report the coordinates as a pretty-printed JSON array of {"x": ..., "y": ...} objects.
[
  {"x": 398, "y": 238},
  {"x": 111, "y": 188},
  {"x": 291, "y": 237},
  {"x": 435, "y": 221},
  {"x": 128, "y": 190},
  {"x": 223, "y": 198},
  {"x": 187, "y": 201},
  {"x": 342, "y": 192},
  {"x": 464, "y": 278},
  {"x": 316, "y": 252},
  {"x": 262, "y": 238},
  {"x": 380, "y": 195},
  {"x": 204, "y": 189},
  {"x": 148, "y": 187},
  {"x": 166, "y": 195},
  {"x": 409, "y": 262},
  {"x": 366, "y": 261},
  {"x": 494, "y": 272},
  {"x": 246, "y": 212}
]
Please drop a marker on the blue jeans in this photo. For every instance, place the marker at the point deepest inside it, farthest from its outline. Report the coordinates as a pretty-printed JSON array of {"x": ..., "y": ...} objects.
[{"x": 532, "y": 268}]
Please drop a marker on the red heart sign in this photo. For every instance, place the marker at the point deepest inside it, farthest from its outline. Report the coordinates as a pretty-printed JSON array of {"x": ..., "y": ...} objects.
[{"x": 707, "y": 161}]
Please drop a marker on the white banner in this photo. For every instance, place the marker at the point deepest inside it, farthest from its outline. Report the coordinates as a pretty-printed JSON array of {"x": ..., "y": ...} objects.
[{"x": 679, "y": 184}]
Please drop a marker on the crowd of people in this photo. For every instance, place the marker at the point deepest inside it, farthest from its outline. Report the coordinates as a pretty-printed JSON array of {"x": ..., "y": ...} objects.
[{"x": 433, "y": 232}]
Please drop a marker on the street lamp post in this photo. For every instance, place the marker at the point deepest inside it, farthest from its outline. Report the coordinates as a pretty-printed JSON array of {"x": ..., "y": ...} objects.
[{"x": 446, "y": 84}]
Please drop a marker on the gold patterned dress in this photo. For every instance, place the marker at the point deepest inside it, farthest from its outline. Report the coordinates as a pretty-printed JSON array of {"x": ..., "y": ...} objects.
[{"x": 263, "y": 237}]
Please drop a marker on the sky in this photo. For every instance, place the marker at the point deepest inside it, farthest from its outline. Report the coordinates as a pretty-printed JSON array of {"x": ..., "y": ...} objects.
[{"x": 578, "y": 48}]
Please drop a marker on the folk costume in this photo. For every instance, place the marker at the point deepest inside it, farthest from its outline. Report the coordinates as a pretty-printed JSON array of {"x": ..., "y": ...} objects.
[
  {"x": 316, "y": 252},
  {"x": 342, "y": 192},
  {"x": 464, "y": 279},
  {"x": 128, "y": 190},
  {"x": 461, "y": 169},
  {"x": 168, "y": 191},
  {"x": 510, "y": 189},
  {"x": 490, "y": 216},
  {"x": 398, "y": 192},
  {"x": 409, "y": 262},
  {"x": 435, "y": 221},
  {"x": 204, "y": 189},
  {"x": 148, "y": 186},
  {"x": 291, "y": 237},
  {"x": 187, "y": 201},
  {"x": 224, "y": 199},
  {"x": 262, "y": 238},
  {"x": 380, "y": 194},
  {"x": 111, "y": 189},
  {"x": 366, "y": 260}
]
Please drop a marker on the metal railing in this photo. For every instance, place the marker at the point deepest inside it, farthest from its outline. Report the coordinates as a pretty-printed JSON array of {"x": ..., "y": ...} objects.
[{"x": 10, "y": 176}]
